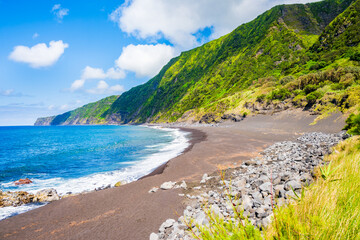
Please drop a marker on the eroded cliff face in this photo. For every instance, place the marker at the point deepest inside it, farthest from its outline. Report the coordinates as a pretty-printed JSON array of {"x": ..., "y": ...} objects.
[{"x": 44, "y": 121}]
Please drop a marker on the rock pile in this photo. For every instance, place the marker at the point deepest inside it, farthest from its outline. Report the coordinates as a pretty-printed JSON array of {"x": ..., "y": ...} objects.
[
  {"x": 15, "y": 199},
  {"x": 275, "y": 178}
]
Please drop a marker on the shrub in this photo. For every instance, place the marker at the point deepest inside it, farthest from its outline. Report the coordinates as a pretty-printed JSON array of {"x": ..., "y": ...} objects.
[
  {"x": 337, "y": 86},
  {"x": 318, "y": 65},
  {"x": 355, "y": 56},
  {"x": 313, "y": 96},
  {"x": 298, "y": 92},
  {"x": 286, "y": 80},
  {"x": 353, "y": 124},
  {"x": 260, "y": 98},
  {"x": 310, "y": 88},
  {"x": 280, "y": 94}
]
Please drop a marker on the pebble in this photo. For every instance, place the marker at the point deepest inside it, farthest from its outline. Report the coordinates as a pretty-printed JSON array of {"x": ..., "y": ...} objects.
[{"x": 284, "y": 166}]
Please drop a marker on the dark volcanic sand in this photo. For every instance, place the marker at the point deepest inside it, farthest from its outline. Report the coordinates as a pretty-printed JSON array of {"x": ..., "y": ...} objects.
[{"x": 130, "y": 212}]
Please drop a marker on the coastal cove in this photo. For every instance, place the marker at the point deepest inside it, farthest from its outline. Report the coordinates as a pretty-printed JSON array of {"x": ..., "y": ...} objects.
[
  {"x": 132, "y": 212},
  {"x": 78, "y": 159}
]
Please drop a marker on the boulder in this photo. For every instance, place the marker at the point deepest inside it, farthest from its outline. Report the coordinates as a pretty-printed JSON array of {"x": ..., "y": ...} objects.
[
  {"x": 292, "y": 184},
  {"x": 118, "y": 184},
  {"x": 247, "y": 202},
  {"x": 46, "y": 195},
  {"x": 279, "y": 191},
  {"x": 183, "y": 185},
  {"x": 266, "y": 187},
  {"x": 167, "y": 185},
  {"x": 154, "y": 236},
  {"x": 23, "y": 181}
]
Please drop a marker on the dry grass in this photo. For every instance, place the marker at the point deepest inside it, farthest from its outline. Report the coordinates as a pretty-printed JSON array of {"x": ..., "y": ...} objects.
[{"x": 330, "y": 208}]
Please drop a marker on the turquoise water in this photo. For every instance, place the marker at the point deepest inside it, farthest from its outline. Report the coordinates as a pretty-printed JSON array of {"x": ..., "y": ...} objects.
[{"x": 83, "y": 158}]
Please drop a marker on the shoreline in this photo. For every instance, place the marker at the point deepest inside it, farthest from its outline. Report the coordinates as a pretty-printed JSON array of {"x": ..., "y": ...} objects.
[
  {"x": 197, "y": 136},
  {"x": 132, "y": 212},
  {"x": 28, "y": 205}
]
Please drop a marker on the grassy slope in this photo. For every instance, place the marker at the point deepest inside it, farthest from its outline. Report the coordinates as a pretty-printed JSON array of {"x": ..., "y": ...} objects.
[
  {"x": 260, "y": 63},
  {"x": 88, "y": 114},
  {"x": 210, "y": 78}
]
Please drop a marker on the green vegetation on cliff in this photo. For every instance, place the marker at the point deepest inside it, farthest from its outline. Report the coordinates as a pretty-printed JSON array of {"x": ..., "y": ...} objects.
[
  {"x": 301, "y": 55},
  {"x": 88, "y": 114}
]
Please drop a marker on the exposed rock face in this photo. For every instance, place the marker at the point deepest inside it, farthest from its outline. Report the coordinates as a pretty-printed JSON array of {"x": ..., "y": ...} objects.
[
  {"x": 275, "y": 178},
  {"x": 44, "y": 121},
  {"x": 233, "y": 117}
]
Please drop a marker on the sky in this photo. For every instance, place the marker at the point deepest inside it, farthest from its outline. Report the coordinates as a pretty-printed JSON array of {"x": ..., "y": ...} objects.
[{"x": 56, "y": 56}]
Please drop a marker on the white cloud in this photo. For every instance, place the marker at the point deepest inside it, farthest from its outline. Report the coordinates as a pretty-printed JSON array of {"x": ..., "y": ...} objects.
[
  {"x": 115, "y": 73},
  {"x": 36, "y": 35},
  {"x": 59, "y": 12},
  {"x": 39, "y": 55},
  {"x": 145, "y": 60},
  {"x": 93, "y": 73},
  {"x": 77, "y": 84},
  {"x": 56, "y": 7},
  {"x": 104, "y": 88},
  {"x": 98, "y": 73},
  {"x": 179, "y": 20}
]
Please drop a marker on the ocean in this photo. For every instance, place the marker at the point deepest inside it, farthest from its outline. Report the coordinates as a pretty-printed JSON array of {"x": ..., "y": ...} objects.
[{"x": 74, "y": 159}]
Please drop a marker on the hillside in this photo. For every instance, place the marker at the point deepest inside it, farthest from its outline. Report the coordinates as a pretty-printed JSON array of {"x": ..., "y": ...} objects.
[
  {"x": 88, "y": 114},
  {"x": 292, "y": 56}
]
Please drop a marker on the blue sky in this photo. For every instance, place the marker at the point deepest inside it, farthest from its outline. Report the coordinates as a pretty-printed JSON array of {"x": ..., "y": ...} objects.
[{"x": 59, "y": 55}]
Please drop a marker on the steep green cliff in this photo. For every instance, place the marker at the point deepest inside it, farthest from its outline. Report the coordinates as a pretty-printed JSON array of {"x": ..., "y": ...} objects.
[
  {"x": 88, "y": 114},
  {"x": 290, "y": 56}
]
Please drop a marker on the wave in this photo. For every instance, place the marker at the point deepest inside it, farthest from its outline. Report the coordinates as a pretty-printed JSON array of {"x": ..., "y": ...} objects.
[{"x": 138, "y": 169}]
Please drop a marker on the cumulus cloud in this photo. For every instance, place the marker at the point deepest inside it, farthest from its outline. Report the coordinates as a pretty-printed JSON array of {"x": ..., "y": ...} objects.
[
  {"x": 59, "y": 12},
  {"x": 104, "y": 88},
  {"x": 93, "y": 73},
  {"x": 179, "y": 20},
  {"x": 98, "y": 73},
  {"x": 89, "y": 73},
  {"x": 115, "y": 73},
  {"x": 77, "y": 84},
  {"x": 145, "y": 60},
  {"x": 39, "y": 55}
]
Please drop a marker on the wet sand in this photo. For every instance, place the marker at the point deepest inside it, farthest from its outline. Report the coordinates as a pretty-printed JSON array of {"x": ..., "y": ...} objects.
[{"x": 130, "y": 212}]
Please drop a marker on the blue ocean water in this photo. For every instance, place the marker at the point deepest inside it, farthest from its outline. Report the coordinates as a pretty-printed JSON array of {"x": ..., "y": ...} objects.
[{"x": 82, "y": 158}]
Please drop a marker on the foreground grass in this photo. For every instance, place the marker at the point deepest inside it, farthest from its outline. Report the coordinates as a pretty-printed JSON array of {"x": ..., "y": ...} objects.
[{"x": 330, "y": 208}]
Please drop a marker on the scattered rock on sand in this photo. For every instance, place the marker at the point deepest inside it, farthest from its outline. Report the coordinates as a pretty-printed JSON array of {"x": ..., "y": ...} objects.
[
  {"x": 154, "y": 236},
  {"x": 183, "y": 185},
  {"x": 154, "y": 189},
  {"x": 167, "y": 185}
]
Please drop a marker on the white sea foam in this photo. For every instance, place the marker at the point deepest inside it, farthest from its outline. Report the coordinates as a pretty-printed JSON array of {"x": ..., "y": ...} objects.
[
  {"x": 6, "y": 212},
  {"x": 139, "y": 168}
]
